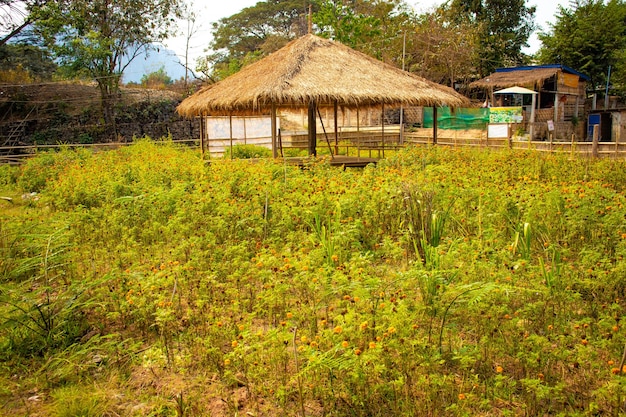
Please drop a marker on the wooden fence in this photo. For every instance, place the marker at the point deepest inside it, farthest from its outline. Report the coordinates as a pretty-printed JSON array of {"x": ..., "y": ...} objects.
[
  {"x": 369, "y": 144},
  {"x": 17, "y": 154}
]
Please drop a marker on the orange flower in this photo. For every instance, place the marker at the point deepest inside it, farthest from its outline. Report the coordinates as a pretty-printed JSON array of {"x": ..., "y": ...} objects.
[
  {"x": 357, "y": 352},
  {"x": 337, "y": 330},
  {"x": 234, "y": 343},
  {"x": 372, "y": 345},
  {"x": 461, "y": 396},
  {"x": 345, "y": 344},
  {"x": 499, "y": 369}
]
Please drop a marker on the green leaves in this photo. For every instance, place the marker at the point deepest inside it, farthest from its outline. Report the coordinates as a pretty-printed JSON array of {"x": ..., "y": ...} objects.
[{"x": 575, "y": 40}]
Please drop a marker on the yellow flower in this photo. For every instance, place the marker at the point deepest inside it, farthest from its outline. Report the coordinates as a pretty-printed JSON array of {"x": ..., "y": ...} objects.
[
  {"x": 234, "y": 343},
  {"x": 337, "y": 330},
  {"x": 345, "y": 344},
  {"x": 372, "y": 345},
  {"x": 499, "y": 369}
]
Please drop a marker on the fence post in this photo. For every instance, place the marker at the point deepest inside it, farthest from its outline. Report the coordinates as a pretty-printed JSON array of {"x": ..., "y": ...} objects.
[{"x": 594, "y": 144}]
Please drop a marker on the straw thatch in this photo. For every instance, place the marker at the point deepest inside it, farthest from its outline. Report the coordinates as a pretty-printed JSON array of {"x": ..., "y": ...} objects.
[
  {"x": 320, "y": 70},
  {"x": 523, "y": 77}
]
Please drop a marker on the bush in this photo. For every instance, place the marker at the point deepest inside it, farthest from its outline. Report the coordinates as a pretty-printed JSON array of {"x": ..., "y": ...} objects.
[{"x": 248, "y": 151}]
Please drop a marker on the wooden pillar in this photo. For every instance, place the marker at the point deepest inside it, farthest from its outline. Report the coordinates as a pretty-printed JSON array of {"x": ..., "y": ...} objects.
[
  {"x": 434, "y": 125},
  {"x": 273, "y": 127},
  {"x": 594, "y": 144},
  {"x": 312, "y": 128},
  {"x": 556, "y": 107},
  {"x": 230, "y": 126},
  {"x": 202, "y": 128},
  {"x": 533, "y": 113},
  {"x": 336, "y": 127},
  {"x": 382, "y": 122}
]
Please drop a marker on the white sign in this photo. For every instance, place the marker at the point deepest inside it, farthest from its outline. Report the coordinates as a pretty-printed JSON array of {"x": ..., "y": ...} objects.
[
  {"x": 243, "y": 127},
  {"x": 498, "y": 131},
  {"x": 551, "y": 125}
]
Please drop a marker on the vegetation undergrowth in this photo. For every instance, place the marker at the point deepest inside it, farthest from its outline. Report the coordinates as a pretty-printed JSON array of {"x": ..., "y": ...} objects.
[{"x": 144, "y": 281}]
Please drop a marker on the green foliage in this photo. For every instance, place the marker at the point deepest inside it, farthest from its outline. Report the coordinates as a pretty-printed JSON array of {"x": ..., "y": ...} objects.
[
  {"x": 254, "y": 32},
  {"x": 156, "y": 79},
  {"x": 440, "y": 281},
  {"x": 247, "y": 152},
  {"x": 32, "y": 62},
  {"x": 341, "y": 22},
  {"x": 504, "y": 27},
  {"x": 575, "y": 41},
  {"x": 98, "y": 39}
]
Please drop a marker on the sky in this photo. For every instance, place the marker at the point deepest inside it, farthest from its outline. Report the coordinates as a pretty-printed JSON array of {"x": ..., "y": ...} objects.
[{"x": 209, "y": 11}]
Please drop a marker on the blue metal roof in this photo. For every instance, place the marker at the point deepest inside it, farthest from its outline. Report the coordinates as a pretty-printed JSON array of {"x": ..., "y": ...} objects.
[{"x": 551, "y": 66}]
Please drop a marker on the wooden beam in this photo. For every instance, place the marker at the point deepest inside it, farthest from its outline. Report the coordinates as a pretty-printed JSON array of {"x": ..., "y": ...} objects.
[
  {"x": 273, "y": 127},
  {"x": 312, "y": 128},
  {"x": 336, "y": 128},
  {"x": 434, "y": 125}
]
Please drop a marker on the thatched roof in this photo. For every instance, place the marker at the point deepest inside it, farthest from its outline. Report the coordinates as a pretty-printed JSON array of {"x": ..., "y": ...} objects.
[
  {"x": 522, "y": 76},
  {"x": 313, "y": 68}
]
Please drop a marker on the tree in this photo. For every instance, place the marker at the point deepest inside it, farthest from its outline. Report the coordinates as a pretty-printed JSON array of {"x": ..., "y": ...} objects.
[
  {"x": 504, "y": 27},
  {"x": 156, "y": 79},
  {"x": 375, "y": 27},
  {"x": 443, "y": 48},
  {"x": 33, "y": 62},
  {"x": 99, "y": 38},
  {"x": 343, "y": 22},
  {"x": 253, "y": 33},
  {"x": 576, "y": 39}
]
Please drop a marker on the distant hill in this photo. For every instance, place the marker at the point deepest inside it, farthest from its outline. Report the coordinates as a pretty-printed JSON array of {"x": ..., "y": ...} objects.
[{"x": 152, "y": 62}]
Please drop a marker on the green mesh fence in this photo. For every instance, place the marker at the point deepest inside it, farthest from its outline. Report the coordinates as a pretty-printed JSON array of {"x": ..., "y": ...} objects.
[{"x": 457, "y": 119}]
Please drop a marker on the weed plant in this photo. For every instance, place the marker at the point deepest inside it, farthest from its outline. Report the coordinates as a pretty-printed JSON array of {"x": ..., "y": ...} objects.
[{"x": 144, "y": 281}]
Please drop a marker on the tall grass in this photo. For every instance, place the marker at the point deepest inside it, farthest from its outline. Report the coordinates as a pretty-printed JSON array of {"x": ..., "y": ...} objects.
[{"x": 440, "y": 282}]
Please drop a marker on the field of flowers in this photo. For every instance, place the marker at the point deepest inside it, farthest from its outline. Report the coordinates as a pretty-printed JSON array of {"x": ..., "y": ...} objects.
[{"x": 145, "y": 281}]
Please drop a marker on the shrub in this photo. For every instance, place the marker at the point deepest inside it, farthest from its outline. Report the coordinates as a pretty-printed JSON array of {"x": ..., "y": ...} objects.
[{"x": 247, "y": 152}]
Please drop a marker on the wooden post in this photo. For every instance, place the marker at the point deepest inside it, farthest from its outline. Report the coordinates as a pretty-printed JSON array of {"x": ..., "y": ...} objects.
[
  {"x": 533, "y": 116},
  {"x": 245, "y": 132},
  {"x": 434, "y": 125},
  {"x": 551, "y": 135},
  {"x": 556, "y": 107},
  {"x": 202, "y": 127},
  {"x": 312, "y": 128},
  {"x": 230, "y": 122},
  {"x": 382, "y": 121},
  {"x": 336, "y": 128},
  {"x": 594, "y": 144},
  {"x": 273, "y": 127}
]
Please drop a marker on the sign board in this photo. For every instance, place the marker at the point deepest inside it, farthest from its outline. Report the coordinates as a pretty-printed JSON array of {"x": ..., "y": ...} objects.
[
  {"x": 551, "y": 125},
  {"x": 498, "y": 131},
  {"x": 506, "y": 114}
]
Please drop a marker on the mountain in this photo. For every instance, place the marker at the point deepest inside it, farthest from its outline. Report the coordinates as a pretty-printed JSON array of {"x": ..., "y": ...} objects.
[{"x": 154, "y": 60}]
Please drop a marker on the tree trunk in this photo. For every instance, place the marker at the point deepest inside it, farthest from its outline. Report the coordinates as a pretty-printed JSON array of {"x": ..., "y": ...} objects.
[{"x": 109, "y": 94}]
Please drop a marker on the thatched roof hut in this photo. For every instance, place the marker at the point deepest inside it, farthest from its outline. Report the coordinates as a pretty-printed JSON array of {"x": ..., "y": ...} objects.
[
  {"x": 561, "y": 89},
  {"x": 313, "y": 72},
  {"x": 313, "y": 69},
  {"x": 532, "y": 77}
]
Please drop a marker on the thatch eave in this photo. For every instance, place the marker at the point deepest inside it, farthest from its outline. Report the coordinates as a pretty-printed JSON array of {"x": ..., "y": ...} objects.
[
  {"x": 315, "y": 69},
  {"x": 529, "y": 78}
]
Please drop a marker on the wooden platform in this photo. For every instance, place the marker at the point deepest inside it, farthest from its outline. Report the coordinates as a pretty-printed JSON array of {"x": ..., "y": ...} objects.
[{"x": 337, "y": 161}]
